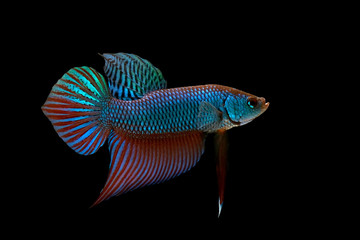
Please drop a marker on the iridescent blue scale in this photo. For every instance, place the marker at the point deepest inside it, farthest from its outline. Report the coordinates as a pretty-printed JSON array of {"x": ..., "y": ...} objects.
[{"x": 165, "y": 110}]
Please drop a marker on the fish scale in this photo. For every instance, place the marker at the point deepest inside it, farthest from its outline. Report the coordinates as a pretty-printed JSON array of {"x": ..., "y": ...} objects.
[{"x": 175, "y": 117}]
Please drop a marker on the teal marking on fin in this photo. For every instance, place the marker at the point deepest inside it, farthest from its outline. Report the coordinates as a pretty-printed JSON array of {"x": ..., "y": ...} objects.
[{"x": 74, "y": 107}]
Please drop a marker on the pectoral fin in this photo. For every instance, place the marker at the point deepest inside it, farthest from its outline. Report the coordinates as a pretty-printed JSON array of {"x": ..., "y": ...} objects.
[
  {"x": 209, "y": 117},
  {"x": 221, "y": 147}
]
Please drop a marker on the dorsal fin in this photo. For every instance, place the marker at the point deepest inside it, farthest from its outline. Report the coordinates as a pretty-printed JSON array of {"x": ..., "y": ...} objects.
[{"x": 131, "y": 77}]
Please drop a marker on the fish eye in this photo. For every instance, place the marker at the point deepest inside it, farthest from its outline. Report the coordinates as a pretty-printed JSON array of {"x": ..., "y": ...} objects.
[{"x": 252, "y": 102}]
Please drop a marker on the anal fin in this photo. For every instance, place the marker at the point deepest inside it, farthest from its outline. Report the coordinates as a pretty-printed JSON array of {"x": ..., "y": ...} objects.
[{"x": 141, "y": 161}]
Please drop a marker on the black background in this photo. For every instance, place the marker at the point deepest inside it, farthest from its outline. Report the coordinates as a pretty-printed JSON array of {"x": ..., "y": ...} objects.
[{"x": 259, "y": 50}]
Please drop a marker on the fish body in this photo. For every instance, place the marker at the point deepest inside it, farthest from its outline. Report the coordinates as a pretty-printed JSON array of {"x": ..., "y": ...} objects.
[
  {"x": 154, "y": 133},
  {"x": 169, "y": 111}
]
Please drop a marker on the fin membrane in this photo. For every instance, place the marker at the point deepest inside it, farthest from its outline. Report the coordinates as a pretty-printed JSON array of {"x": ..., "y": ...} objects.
[
  {"x": 131, "y": 77},
  {"x": 209, "y": 117},
  {"x": 221, "y": 147},
  {"x": 137, "y": 162},
  {"x": 74, "y": 108}
]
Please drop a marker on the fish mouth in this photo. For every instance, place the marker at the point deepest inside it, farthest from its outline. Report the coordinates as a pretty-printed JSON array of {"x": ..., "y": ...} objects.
[{"x": 264, "y": 104}]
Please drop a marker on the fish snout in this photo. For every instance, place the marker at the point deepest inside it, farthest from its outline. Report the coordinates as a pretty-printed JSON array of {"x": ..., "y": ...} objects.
[{"x": 264, "y": 104}]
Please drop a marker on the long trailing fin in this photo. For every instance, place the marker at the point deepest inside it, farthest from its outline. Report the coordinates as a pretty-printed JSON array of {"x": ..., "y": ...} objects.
[
  {"x": 75, "y": 106},
  {"x": 130, "y": 76},
  {"x": 137, "y": 162},
  {"x": 221, "y": 147}
]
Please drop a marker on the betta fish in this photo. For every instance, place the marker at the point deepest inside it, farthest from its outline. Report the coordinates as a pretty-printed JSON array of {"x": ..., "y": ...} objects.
[{"x": 154, "y": 133}]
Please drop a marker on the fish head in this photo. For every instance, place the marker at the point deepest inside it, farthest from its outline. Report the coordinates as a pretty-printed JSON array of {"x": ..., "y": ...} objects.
[{"x": 242, "y": 107}]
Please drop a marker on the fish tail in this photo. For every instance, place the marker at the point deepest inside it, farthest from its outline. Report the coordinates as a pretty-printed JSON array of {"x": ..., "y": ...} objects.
[{"x": 76, "y": 108}]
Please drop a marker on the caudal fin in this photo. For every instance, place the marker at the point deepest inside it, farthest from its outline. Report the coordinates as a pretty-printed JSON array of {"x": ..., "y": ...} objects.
[{"x": 75, "y": 108}]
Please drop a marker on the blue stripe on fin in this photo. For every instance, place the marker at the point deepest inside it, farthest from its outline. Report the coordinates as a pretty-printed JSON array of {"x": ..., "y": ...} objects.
[
  {"x": 74, "y": 107},
  {"x": 134, "y": 78}
]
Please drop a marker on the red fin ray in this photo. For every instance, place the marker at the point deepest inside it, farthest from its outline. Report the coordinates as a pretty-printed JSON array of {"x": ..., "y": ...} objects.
[
  {"x": 74, "y": 107},
  {"x": 137, "y": 162}
]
